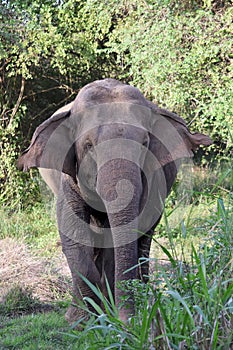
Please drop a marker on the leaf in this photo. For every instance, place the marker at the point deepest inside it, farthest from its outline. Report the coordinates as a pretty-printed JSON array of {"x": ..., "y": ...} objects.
[{"x": 178, "y": 297}]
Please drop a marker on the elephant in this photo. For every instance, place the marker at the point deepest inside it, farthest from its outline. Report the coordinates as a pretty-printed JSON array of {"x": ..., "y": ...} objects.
[{"x": 111, "y": 157}]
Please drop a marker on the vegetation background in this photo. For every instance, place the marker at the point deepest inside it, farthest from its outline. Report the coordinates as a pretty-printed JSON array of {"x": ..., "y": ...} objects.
[{"x": 180, "y": 55}]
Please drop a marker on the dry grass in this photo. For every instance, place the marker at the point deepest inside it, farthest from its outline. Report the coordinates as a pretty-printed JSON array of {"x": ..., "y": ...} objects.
[{"x": 48, "y": 279}]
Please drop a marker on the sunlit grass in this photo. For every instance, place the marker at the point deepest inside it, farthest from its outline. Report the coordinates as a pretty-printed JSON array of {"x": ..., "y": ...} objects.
[{"x": 36, "y": 226}]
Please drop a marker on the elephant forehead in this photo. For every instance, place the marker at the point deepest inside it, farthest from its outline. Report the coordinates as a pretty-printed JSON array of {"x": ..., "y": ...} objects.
[
  {"x": 111, "y": 113},
  {"x": 106, "y": 91},
  {"x": 121, "y": 130}
]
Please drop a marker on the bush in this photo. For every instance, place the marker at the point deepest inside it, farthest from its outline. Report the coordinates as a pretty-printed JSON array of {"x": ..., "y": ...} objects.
[
  {"x": 178, "y": 53},
  {"x": 182, "y": 59}
]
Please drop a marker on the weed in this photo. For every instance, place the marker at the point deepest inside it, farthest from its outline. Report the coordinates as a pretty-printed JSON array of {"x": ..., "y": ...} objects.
[{"x": 17, "y": 301}]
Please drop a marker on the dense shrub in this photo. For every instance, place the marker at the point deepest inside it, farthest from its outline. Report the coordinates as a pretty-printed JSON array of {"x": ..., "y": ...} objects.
[
  {"x": 178, "y": 53},
  {"x": 183, "y": 60}
]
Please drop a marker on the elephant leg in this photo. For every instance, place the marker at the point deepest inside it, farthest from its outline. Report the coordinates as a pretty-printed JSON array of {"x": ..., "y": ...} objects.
[
  {"x": 144, "y": 244},
  {"x": 104, "y": 257},
  {"x": 73, "y": 217},
  {"x": 104, "y": 260},
  {"x": 80, "y": 259},
  {"x": 109, "y": 270}
]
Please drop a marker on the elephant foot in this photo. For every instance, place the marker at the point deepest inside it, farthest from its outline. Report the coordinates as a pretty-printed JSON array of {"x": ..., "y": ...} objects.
[
  {"x": 125, "y": 315},
  {"x": 74, "y": 314}
]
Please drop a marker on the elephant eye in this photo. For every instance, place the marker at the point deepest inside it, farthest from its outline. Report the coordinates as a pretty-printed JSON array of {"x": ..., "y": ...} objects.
[
  {"x": 88, "y": 146},
  {"x": 146, "y": 143}
]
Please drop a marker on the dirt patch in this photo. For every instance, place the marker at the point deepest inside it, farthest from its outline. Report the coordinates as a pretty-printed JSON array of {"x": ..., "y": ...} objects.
[{"x": 48, "y": 279}]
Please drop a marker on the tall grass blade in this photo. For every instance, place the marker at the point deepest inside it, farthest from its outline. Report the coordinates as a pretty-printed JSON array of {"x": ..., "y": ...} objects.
[
  {"x": 166, "y": 251},
  {"x": 111, "y": 297},
  {"x": 179, "y": 298},
  {"x": 94, "y": 305},
  {"x": 201, "y": 273},
  {"x": 220, "y": 180},
  {"x": 202, "y": 315}
]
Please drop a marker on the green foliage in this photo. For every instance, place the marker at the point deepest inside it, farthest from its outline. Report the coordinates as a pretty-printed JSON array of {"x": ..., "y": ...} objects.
[
  {"x": 183, "y": 60},
  {"x": 46, "y": 55},
  {"x": 187, "y": 304},
  {"x": 178, "y": 53},
  {"x": 15, "y": 186}
]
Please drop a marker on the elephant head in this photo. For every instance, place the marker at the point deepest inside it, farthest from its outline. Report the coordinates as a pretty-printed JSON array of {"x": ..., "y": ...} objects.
[{"x": 122, "y": 153}]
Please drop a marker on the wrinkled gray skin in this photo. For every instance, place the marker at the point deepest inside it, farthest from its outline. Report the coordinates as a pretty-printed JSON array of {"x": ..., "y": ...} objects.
[{"x": 89, "y": 203}]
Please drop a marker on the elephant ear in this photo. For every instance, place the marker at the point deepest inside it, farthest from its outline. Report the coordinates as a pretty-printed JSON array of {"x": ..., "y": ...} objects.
[
  {"x": 175, "y": 139},
  {"x": 171, "y": 142},
  {"x": 52, "y": 145}
]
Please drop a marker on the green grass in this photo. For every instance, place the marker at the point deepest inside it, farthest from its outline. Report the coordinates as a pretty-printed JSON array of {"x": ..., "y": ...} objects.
[
  {"x": 188, "y": 303},
  {"x": 36, "y": 226},
  {"x": 18, "y": 300},
  {"x": 36, "y": 331}
]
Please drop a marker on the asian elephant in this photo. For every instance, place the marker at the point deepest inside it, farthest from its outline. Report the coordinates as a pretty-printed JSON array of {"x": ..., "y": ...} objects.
[{"x": 111, "y": 157}]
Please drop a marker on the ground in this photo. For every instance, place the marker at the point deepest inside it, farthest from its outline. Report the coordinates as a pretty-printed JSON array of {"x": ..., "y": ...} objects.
[{"x": 47, "y": 279}]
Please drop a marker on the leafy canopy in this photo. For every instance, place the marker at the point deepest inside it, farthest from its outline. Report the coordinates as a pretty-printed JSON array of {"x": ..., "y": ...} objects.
[{"x": 178, "y": 53}]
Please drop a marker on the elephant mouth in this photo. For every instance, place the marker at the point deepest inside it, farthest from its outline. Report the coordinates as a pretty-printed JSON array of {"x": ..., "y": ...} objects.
[{"x": 96, "y": 225}]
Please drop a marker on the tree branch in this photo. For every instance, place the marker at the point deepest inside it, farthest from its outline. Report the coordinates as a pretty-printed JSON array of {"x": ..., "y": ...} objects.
[
  {"x": 60, "y": 104},
  {"x": 60, "y": 87},
  {"x": 16, "y": 107}
]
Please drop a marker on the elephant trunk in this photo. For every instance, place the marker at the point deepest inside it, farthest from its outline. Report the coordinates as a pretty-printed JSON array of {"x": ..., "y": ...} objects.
[{"x": 119, "y": 185}]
